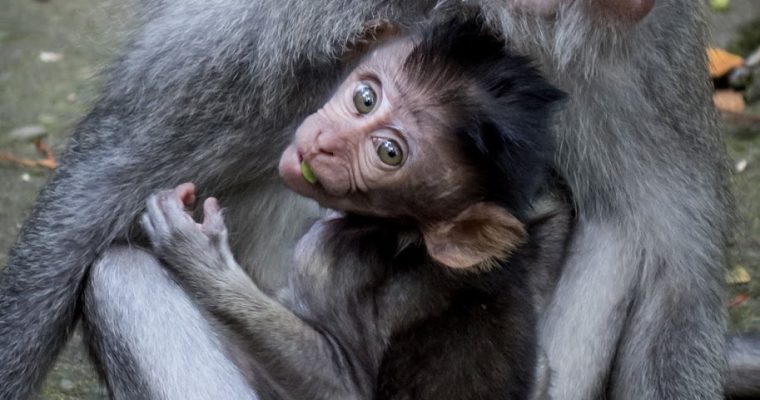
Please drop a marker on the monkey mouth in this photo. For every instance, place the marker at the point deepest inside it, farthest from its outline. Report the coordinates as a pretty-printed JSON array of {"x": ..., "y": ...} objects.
[
  {"x": 297, "y": 174},
  {"x": 291, "y": 172}
]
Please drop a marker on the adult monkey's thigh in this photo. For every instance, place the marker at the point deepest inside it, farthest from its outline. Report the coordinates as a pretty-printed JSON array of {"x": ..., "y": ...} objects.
[
  {"x": 149, "y": 337},
  {"x": 638, "y": 312}
]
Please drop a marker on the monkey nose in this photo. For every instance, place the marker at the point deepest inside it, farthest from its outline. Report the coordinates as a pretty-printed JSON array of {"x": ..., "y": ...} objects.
[
  {"x": 312, "y": 152},
  {"x": 325, "y": 143}
]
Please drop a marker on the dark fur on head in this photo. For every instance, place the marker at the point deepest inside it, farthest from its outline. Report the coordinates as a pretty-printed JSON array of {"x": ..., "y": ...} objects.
[{"x": 500, "y": 101}]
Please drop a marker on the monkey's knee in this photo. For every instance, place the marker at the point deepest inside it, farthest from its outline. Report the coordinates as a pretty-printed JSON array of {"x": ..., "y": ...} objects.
[
  {"x": 121, "y": 276},
  {"x": 115, "y": 292},
  {"x": 148, "y": 336}
]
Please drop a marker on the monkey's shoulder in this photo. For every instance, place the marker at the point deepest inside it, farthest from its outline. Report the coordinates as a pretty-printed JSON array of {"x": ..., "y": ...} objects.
[
  {"x": 345, "y": 254},
  {"x": 375, "y": 241},
  {"x": 350, "y": 252},
  {"x": 384, "y": 264}
]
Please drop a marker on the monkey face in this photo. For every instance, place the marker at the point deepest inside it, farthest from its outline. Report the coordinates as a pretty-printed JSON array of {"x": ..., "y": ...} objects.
[{"x": 366, "y": 151}]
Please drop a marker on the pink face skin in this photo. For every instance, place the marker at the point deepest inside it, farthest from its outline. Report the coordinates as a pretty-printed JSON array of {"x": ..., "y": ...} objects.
[{"x": 341, "y": 145}]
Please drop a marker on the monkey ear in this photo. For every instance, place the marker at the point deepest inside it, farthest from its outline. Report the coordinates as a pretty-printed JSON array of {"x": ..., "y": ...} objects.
[{"x": 479, "y": 236}]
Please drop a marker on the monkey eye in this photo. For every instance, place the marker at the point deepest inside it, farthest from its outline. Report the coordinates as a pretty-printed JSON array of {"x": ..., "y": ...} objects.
[
  {"x": 364, "y": 98},
  {"x": 390, "y": 152}
]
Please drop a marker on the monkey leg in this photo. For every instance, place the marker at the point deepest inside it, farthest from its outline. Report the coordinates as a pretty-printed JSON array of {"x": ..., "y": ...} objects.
[
  {"x": 580, "y": 342},
  {"x": 149, "y": 338},
  {"x": 640, "y": 323},
  {"x": 676, "y": 319}
]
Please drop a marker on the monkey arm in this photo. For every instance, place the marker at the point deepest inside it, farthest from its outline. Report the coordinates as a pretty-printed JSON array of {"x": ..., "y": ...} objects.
[
  {"x": 299, "y": 360},
  {"x": 302, "y": 361}
]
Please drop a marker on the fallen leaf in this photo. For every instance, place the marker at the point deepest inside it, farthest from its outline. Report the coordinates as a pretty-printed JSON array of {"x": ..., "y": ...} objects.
[
  {"x": 742, "y": 121},
  {"x": 43, "y": 148},
  {"x": 29, "y": 163},
  {"x": 721, "y": 61},
  {"x": 728, "y": 100},
  {"x": 741, "y": 165},
  {"x": 28, "y": 133},
  {"x": 49, "y": 161},
  {"x": 753, "y": 60},
  {"x": 50, "y": 56},
  {"x": 738, "y": 275},
  {"x": 738, "y": 300},
  {"x": 720, "y": 5}
]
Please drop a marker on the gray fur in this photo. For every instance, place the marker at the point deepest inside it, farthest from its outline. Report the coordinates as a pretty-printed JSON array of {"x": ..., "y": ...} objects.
[
  {"x": 639, "y": 311},
  {"x": 743, "y": 380},
  {"x": 152, "y": 341},
  {"x": 351, "y": 308},
  {"x": 211, "y": 91}
]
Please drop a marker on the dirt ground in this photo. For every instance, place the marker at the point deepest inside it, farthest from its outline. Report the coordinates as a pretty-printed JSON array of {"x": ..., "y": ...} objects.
[{"x": 51, "y": 52}]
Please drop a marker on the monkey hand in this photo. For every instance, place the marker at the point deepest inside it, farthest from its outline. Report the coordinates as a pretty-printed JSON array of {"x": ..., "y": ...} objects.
[{"x": 195, "y": 252}]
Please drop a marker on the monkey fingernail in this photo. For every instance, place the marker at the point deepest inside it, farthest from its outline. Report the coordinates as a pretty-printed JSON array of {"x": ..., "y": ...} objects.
[{"x": 307, "y": 173}]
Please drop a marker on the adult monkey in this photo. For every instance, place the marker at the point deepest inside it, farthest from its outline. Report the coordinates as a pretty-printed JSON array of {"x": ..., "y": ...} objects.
[{"x": 212, "y": 92}]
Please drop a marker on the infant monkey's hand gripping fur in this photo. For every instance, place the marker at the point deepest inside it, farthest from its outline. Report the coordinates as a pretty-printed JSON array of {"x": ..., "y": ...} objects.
[
  {"x": 198, "y": 253},
  {"x": 200, "y": 257}
]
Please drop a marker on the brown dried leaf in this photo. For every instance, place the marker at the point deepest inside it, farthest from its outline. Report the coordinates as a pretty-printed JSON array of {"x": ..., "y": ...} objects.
[
  {"x": 43, "y": 148},
  {"x": 721, "y": 62},
  {"x": 738, "y": 300},
  {"x": 728, "y": 100}
]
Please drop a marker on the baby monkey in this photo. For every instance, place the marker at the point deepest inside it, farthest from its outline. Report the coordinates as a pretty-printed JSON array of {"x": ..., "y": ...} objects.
[{"x": 436, "y": 152}]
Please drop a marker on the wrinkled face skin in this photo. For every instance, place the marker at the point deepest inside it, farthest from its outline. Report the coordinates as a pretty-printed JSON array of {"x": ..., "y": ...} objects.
[{"x": 371, "y": 154}]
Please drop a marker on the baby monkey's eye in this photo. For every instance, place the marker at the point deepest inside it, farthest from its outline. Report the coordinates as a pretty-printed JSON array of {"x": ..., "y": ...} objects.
[
  {"x": 364, "y": 99},
  {"x": 390, "y": 152}
]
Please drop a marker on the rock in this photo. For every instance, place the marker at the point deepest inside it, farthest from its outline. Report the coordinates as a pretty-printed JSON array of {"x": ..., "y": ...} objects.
[
  {"x": 28, "y": 133},
  {"x": 50, "y": 56}
]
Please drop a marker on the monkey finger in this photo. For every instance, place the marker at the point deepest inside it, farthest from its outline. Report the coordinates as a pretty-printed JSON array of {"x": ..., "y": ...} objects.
[
  {"x": 186, "y": 193},
  {"x": 173, "y": 207},
  {"x": 211, "y": 206},
  {"x": 155, "y": 214},
  {"x": 147, "y": 226},
  {"x": 213, "y": 220}
]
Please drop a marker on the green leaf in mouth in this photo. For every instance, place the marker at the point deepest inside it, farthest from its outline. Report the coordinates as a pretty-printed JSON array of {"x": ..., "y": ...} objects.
[{"x": 307, "y": 173}]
